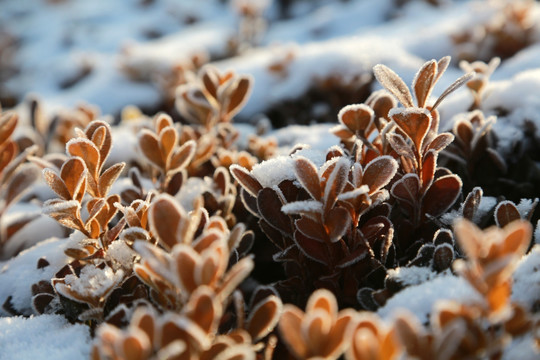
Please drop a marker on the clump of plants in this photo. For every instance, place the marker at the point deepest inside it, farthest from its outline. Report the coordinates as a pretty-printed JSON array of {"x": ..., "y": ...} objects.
[{"x": 271, "y": 256}]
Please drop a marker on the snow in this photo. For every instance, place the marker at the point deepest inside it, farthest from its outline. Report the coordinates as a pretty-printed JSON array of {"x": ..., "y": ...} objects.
[
  {"x": 526, "y": 288},
  {"x": 18, "y": 274},
  {"x": 420, "y": 299},
  {"x": 45, "y": 336},
  {"x": 94, "y": 281}
]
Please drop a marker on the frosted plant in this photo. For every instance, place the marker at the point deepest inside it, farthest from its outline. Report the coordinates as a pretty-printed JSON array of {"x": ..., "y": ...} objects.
[
  {"x": 163, "y": 150},
  {"x": 319, "y": 332}
]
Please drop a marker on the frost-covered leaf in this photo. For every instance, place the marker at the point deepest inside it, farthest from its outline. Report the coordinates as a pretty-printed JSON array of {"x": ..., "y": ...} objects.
[
  {"x": 149, "y": 145},
  {"x": 415, "y": 122},
  {"x": 506, "y": 212},
  {"x": 356, "y": 117},
  {"x": 109, "y": 176},
  {"x": 269, "y": 205},
  {"x": 306, "y": 173},
  {"x": 249, "y": 182},
  {"x": 424, "y": 81},
  {"x": 165, "y": 217},
  {"x": 400, "y": 146},
  {"x": 183, "y": 155},
  {"x": 441, "y": 195},
  {"x": 394, "y": 84},
  {"x": 379, "y": 172},
  {"x": 264, "y": 317},
  {"x": 407, "y": 189},
  {"x": 87, "y": 151}
]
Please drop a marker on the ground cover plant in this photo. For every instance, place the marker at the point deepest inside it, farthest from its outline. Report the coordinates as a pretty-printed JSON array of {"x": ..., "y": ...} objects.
[{"x": 369, "y": 192}]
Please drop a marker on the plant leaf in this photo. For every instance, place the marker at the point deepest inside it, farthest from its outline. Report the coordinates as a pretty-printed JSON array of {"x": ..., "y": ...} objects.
[
  {"x": 306, "y": 173},
  {"x": 441, "y": 195},
  {"x": 423, "y": 82},
  {"x": 394, "y": 84}
]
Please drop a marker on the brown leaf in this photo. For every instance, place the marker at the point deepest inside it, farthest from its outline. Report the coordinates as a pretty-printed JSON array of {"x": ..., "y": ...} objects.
[
  {"x": 162, "y": 121},
  {"x": 105, "y": 148},
  {"x": 440, "y": 142},
  {"x": 407, "y": 189},
  {"x": 311, "y": 229},
  {"x": 506, "y": 212},
  {"x": 442, "y": 65},
  {"x": 149, "y": 145},
  {"x": 204, "y": 309},
  {"x": 7, "y": 154},
  {"x": 424, "y": 81},
  {"x": 356, "y": 117},
  {"x": 145, "y": 321},
  {"x": 168, "y": 138},
  {"x": 441, "y": 195},
  {"x": 98, "y": 138},
  {"x": 264, "y": 317},
  {"x": 428, "y": 168},
  {"x": 394, "y": 84},
  {"x": 306, "y": 173},
  {"x": 453, "y": 87},
  {"x": 339, "y": 336},
  {"x": 210, "y": 79},
  {"x": 239, "y": 95},
  {"x": 8, "y": 123},
  {"x": 109, "y": 176},
  {"x": 464, "y": 131},
  {"x": 443, "y": 256},
  {"x": 338, "y": 222},
  {"x": 411, "y": 336},
  {"x": 56, "y": 184},
  {"x": 269, "y": 205},
  {"x": 290, "y": 326},
  {"x": 183, "y": 155},
  {"x": 414, "y": 122},
  {"x": 400, "y": 146},
  {"x": 165, "y": 217},
  {"x": 236, "y": 274},
  {"x": 88, "y": 152},
  {"x": 73, "y": 173},
  {"x": 379, "y": 172},
  {"x": 313, "y": 249},
  {"x": 335, "y": 182},
  {"x": 381, "y": 102}
]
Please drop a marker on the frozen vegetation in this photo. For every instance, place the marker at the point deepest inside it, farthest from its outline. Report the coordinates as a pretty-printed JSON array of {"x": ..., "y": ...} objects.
[{"x": 181, "y": 179}]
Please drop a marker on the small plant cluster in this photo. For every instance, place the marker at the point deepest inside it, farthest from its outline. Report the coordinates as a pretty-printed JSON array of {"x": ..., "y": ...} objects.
[{"x": 226, "y": 274}]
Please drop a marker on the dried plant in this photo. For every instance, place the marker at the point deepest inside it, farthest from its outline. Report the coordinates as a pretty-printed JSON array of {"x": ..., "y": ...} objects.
[
  {"x": 492, "y": 257},
  {"x": 164, "y": 152},
  {"x": 320, "y": 332},
  {"x": 216, "y": 97},
  {"x": 478, "y": 83},
  {"x": 373, "y": 339},
  {"x": 16, "y": 177},
  {"x": 474, "y": 148}
]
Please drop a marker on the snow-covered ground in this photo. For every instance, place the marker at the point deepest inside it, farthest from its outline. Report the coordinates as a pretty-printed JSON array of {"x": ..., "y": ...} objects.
[{"x": 69, "y": 51}]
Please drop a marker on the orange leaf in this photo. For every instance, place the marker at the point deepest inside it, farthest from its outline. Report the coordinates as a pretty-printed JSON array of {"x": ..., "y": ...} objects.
[
  {"x": 424, "y": 81},
  {"x": 264, "y": 317},
  {"x": 149, "y": 145},
  {"x": 306, "y": 173},
  {"x": 414, "y": 122}
]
